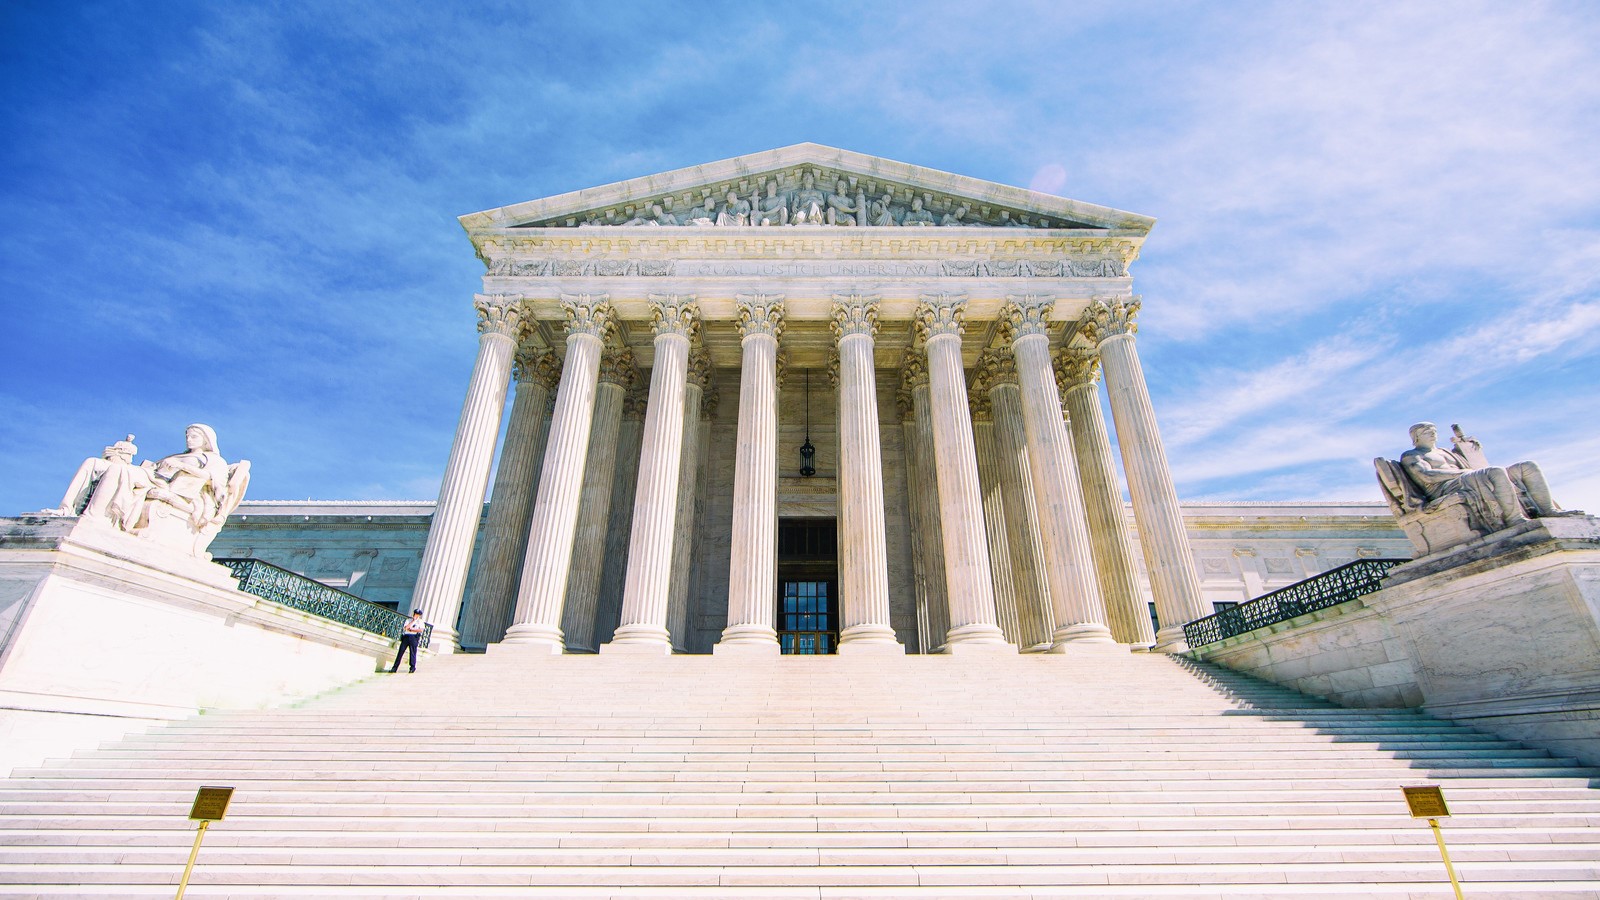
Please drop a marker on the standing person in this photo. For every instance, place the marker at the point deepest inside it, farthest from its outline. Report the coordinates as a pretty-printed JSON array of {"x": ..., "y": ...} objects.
[{"x": 410, "y": 637}]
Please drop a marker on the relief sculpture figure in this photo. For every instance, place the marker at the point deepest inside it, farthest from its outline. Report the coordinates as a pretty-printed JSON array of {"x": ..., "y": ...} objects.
[
  {"x": 842, "y": 209},
  {"x": 880, "y": 212},
  {"x": 772, "y": 209},
  {"x": 916, "y": 216},
  {"x": 734, "y": 211},
  {"x": 702, "y": 215},
  {"x": 809, "y": 203}
]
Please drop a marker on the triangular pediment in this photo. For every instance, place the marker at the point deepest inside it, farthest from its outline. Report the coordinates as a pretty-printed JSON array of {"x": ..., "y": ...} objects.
[{"x": 805, "y": 185}]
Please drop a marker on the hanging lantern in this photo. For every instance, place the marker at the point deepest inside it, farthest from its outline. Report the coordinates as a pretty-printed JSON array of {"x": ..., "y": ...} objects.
[{"x": 807, "y": 452}]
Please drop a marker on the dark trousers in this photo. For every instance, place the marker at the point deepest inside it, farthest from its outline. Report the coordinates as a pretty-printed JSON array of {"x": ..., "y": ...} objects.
[{"x": 407, "y": 641}]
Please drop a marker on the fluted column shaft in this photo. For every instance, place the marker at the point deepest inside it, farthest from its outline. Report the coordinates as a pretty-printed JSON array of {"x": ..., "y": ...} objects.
[
  {"x": 1028, "y": 565},
  {"x": 994, "y": 526},
  {"x": 454, "y": 529},
  {"x": 493, "y": 591},
  {"x": 594, "y": 504},
  {"x": 1108, "y": 528},
  {"x": 547, "y": 566},
  {"x": 753, "y": 558},
  {"x": 1069, "y": 563},
  {"x": 1110, "y": 324},
  {"x": 863, "y": 550},
  {"x": 683, "y": 530},
  {"x": 620, "y": 528},
  {"x": 926, "y": 502},
  {"x": 966, "y": 548},
  {"x": 645, "y": 593}
]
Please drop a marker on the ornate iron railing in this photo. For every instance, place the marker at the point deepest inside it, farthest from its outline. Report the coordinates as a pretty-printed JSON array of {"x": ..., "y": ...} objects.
[
  {"x": 275, "y": 583},
  {"x": 1332, "y": 587}
]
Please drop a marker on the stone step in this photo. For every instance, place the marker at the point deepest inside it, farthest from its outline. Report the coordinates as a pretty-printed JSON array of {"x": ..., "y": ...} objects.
[
  {"x": 931, "y": 876},
  {"x": 1377, "y": 890}
]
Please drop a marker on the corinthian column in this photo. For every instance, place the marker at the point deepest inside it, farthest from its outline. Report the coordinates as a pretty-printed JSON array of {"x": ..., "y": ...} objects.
[
  {"x": 617, "y": 374},
  {"x": 505, "y": 535},
  {"x": 753, "y": 560},
  {"x": 994, "y": 512},
  {"x": 1069, "y": 563},
  {"x": 454, "y": 528},
  {"x": 1035, "y": 613},
  {"x": 925, "y": 501},
  {"x": 863, "y": 553},
  {"x": 1109, "y": 324},
  {"x": 1077, "y": 371},
  {"x": 966, "y": 548},
  {"x": 546, "y": 567},
  {"x": 644, "y": 594},
  {"x": 694, "y": 434},
  {"x": 914, "y": 369}
]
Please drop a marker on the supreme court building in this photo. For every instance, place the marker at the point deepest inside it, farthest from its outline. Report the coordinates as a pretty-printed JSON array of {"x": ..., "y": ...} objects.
[{"x": 832, "y": 402}]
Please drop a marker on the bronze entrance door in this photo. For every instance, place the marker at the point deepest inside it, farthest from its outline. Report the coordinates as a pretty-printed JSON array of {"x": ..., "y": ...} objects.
[{"x": 808, "y": 586}]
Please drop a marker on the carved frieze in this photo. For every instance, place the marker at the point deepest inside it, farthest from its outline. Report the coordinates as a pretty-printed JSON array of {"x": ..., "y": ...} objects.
[{"x": 512, "y": 267}]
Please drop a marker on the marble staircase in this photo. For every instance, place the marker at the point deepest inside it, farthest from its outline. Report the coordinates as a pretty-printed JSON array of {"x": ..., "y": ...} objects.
[{"x": 511, "y": 775}]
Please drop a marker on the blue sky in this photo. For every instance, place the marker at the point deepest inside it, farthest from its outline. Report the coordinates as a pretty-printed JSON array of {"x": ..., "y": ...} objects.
[{"x": 1368, "y": 214}]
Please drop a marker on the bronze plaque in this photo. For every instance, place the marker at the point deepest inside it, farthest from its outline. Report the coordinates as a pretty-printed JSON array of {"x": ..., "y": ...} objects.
[
  {"x": 1426, "y": 802},
  {"x": 211, "y": 803}
]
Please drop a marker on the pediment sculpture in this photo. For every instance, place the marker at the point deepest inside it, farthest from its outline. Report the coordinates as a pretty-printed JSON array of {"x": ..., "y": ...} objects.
[
  {"x": 810, "y": 200},
  {"x": 179, "y": 501},
  {"x": 1446, "y": 497}
]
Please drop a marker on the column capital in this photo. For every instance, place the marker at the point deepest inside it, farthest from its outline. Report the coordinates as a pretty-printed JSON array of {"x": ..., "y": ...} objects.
[
  {"x": 780, "y": 368},
  {"x": 833, "y": 368},
  {"x": 709, "y": 401},
  {"x": 536, "y": 365},
  {"x": 903, "y": 401},
  {"x": 1076, "y": 367},
  {"x": 500, "y": 314},
  {"x": 914, "y": 370},
  {"x": 1108, "y": 317},
  {"x": 855, "y": 314},
  {"x": 997, "y": 367},
  {"x": 978, "y": 402},
  {"x": 700, "y": 367},
  {"x": 588, "y": 314},
  {"x": 617, "y": 367},
  {"x": 635, "y": 402},
  {"x": 761, "y": 314},
  {"x": 1027, "y": 314},
  {"x": 939, "y": 315},
  {"x": 675, "y": 314}
]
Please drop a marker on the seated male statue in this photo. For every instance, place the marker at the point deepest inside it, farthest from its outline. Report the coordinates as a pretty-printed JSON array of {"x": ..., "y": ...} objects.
[
  {"x": 1496, "y": 497},
  {"x": 110, "y": 489}
]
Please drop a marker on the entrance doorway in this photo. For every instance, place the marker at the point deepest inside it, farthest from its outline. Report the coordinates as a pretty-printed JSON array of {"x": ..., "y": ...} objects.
[{"x": 808, "y": 586}]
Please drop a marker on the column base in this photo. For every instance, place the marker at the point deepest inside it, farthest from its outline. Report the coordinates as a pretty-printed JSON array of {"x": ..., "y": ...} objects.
[
  {"x": 640, "y": 640},
  {"x": 869, "y": 639},
  {"x": 1171, "y": 640},
  {"x": 1081, "y": 633},
  {"x": 979, "y": 638},
  {"x": 542, "y": 638},
  {"x": 747, "y": 640},
  {"x": 444, "y": 640}
]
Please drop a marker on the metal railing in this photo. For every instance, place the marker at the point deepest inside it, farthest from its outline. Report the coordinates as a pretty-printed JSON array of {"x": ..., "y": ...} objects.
[
  {"x": 275, "y": 583},
  {"x": 1331, "y": 588}
]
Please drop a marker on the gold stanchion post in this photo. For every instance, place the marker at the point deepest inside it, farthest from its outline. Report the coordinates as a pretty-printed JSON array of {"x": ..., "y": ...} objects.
[
  {"x": 210, "y": 805},
  {"x": 1426, "y": 801}
]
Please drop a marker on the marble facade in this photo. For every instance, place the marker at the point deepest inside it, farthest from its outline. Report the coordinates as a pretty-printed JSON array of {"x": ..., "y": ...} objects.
[{"x": 968, "y": 513}]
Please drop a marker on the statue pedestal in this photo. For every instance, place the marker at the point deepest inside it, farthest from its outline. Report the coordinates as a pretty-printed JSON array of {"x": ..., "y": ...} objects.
[
  {"x": 1501, "y": 634},
  {"x": 102, "y": 633}
]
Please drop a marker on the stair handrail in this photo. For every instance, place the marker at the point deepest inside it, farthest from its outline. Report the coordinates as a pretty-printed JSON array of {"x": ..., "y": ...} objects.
[
  {"x": 1335, "y": 586},
  {"x": 296, "y": 591}
]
